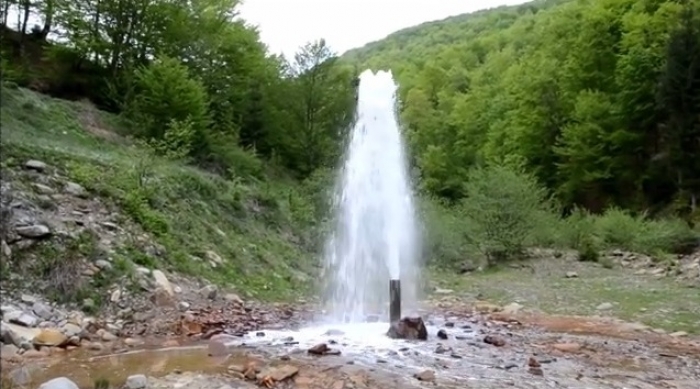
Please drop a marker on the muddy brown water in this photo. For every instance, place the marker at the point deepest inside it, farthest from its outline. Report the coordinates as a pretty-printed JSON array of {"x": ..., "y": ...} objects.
[{"x": 84, "y": 369}]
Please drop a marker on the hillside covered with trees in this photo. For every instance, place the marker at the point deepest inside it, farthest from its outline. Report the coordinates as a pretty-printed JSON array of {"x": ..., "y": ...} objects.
[{"x": 599, "y": 99}]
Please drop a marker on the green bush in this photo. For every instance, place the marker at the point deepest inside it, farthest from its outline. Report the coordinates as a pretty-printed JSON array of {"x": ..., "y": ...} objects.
[
  {"x": 502, "y": 210},
  {"x": 618, "y": 229},
  {"x": 167, "y": 101}
]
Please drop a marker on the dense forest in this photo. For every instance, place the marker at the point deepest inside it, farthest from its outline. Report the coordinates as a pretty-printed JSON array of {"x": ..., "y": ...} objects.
[
  {"x": 559, "y": 123},
  {"x": 193, "y": 75},
  {"x": 599, "y": 99}
]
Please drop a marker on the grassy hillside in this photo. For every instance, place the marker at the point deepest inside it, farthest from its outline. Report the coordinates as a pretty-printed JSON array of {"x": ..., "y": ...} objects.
[{"x": 261, "y": 228}]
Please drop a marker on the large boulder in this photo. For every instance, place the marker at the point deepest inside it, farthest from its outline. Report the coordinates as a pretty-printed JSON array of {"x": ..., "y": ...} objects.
[{"x": 410, "y": 328}]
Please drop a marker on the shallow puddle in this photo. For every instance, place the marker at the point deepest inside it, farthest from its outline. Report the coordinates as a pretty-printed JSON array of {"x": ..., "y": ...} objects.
[{"x": 85, "y": 370}]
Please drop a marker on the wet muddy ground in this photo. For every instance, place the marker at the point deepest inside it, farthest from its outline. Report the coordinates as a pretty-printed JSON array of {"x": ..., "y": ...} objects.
[{"x": 489, "y": 350}]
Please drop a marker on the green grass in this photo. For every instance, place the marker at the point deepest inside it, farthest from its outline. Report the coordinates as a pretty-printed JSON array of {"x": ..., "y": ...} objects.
[
  {"x": 261, "y": 228},
  {"x": 660, "y": 303}
]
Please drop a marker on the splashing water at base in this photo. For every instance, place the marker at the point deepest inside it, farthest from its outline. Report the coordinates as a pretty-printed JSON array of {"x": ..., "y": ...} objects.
[{"x": 375, "y": 236}]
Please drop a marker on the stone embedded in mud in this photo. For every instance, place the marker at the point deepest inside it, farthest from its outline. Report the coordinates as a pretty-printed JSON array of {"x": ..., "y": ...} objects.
[
  {"x": 410, "y": 328},
  {"x": 323, "y": 349},
  {"x": 494, "y": 340},
  {"x": 426, "y": 376}
]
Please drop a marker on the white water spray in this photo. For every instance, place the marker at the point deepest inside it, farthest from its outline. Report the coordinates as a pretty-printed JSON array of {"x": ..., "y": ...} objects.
[{"x": 376, "y": 233}]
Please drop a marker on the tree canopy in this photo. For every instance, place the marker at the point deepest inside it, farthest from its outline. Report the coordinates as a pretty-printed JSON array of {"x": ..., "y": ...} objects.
[
  {"x": 190, "y": 75},
  {"x": 599, "y": 99}
]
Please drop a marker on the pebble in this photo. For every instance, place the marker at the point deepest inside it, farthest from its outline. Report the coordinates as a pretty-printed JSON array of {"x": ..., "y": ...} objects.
[
  {"x": 138, "y": 381},
  {"x": 59, "y": 383}
]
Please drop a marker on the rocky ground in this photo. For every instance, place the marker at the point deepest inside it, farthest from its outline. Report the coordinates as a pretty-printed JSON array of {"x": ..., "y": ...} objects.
[
  {"x": 478, "y": 345},
  {"x": 61, "y": 244}
]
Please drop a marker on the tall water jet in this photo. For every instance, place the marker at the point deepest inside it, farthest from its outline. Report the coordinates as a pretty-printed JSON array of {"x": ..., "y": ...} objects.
[{"x": 376, "y": 236}]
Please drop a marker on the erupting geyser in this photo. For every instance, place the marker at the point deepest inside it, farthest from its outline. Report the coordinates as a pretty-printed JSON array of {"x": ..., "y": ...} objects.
[{"x": 376, "y": 236}]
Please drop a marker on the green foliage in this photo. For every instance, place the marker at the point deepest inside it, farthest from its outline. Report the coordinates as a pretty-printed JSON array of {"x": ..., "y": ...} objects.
[
  {"x": 503, "y": 208},
  {"x": 170, "y": 107},
  {"x": 598, "y": 99},
  {"x": 194, "y": 79},
  {"x": 265, "y": 229}
]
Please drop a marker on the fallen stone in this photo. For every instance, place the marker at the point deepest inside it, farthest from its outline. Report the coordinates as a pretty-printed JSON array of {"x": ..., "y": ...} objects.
[
  {"x": 33, "y": 164},
  {"x": 494, "y": 340},
  {"x": 442, "y": 334},
  {"x": 138, "y": 381},
  {"x": 319, "y": 349},
  {"x": 678, "y": 334},
  {"x": 571, "y": 274},
  {"x": 42, "y": 310},
  {"x": 35, "y": 231},
  {"x": 51, "y": 338},
  {"x": 162, "y": 282},
  {"x": 20, "y": 336},
  {"x": 43, "y": 189},
  {"x": 209, "y": 292},
  {"x": 604, "y": 306},
  {"x": 24, "y": 319},
  {"x": 59, "y": 383},
  {"x": 425, "y": 376},
  {"x": 410, "y": 327},
  {"x": 74, "y": 189}
]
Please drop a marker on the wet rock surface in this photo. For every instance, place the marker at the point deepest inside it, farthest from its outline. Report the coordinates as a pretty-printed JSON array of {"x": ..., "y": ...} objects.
[{"x": 410, "y": 327}]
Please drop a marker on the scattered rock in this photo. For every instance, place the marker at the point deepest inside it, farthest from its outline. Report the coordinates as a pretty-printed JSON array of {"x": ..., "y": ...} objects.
[
  {"x": 209, "y": 292},
  {"x": 425, "y": 376},
  {"x": 33, "y": 164},
  {"x": 571, "y": 274},
  {"x": 322, "y": 349},
  {"x": 74, "y": 189},
  {"x": 35, "y": 231},
  {"x": 494, "y": 340},
  {"x": 411, "y": 328},
  {"x": 678, "y": 334},
  {"x": 138, "y": 381},
  {"x": 59, "y": 383},
  {"x": 604, "y": 306},
  {"x": 50, "y": 337},
  {"x": 442, "y": 334}
]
